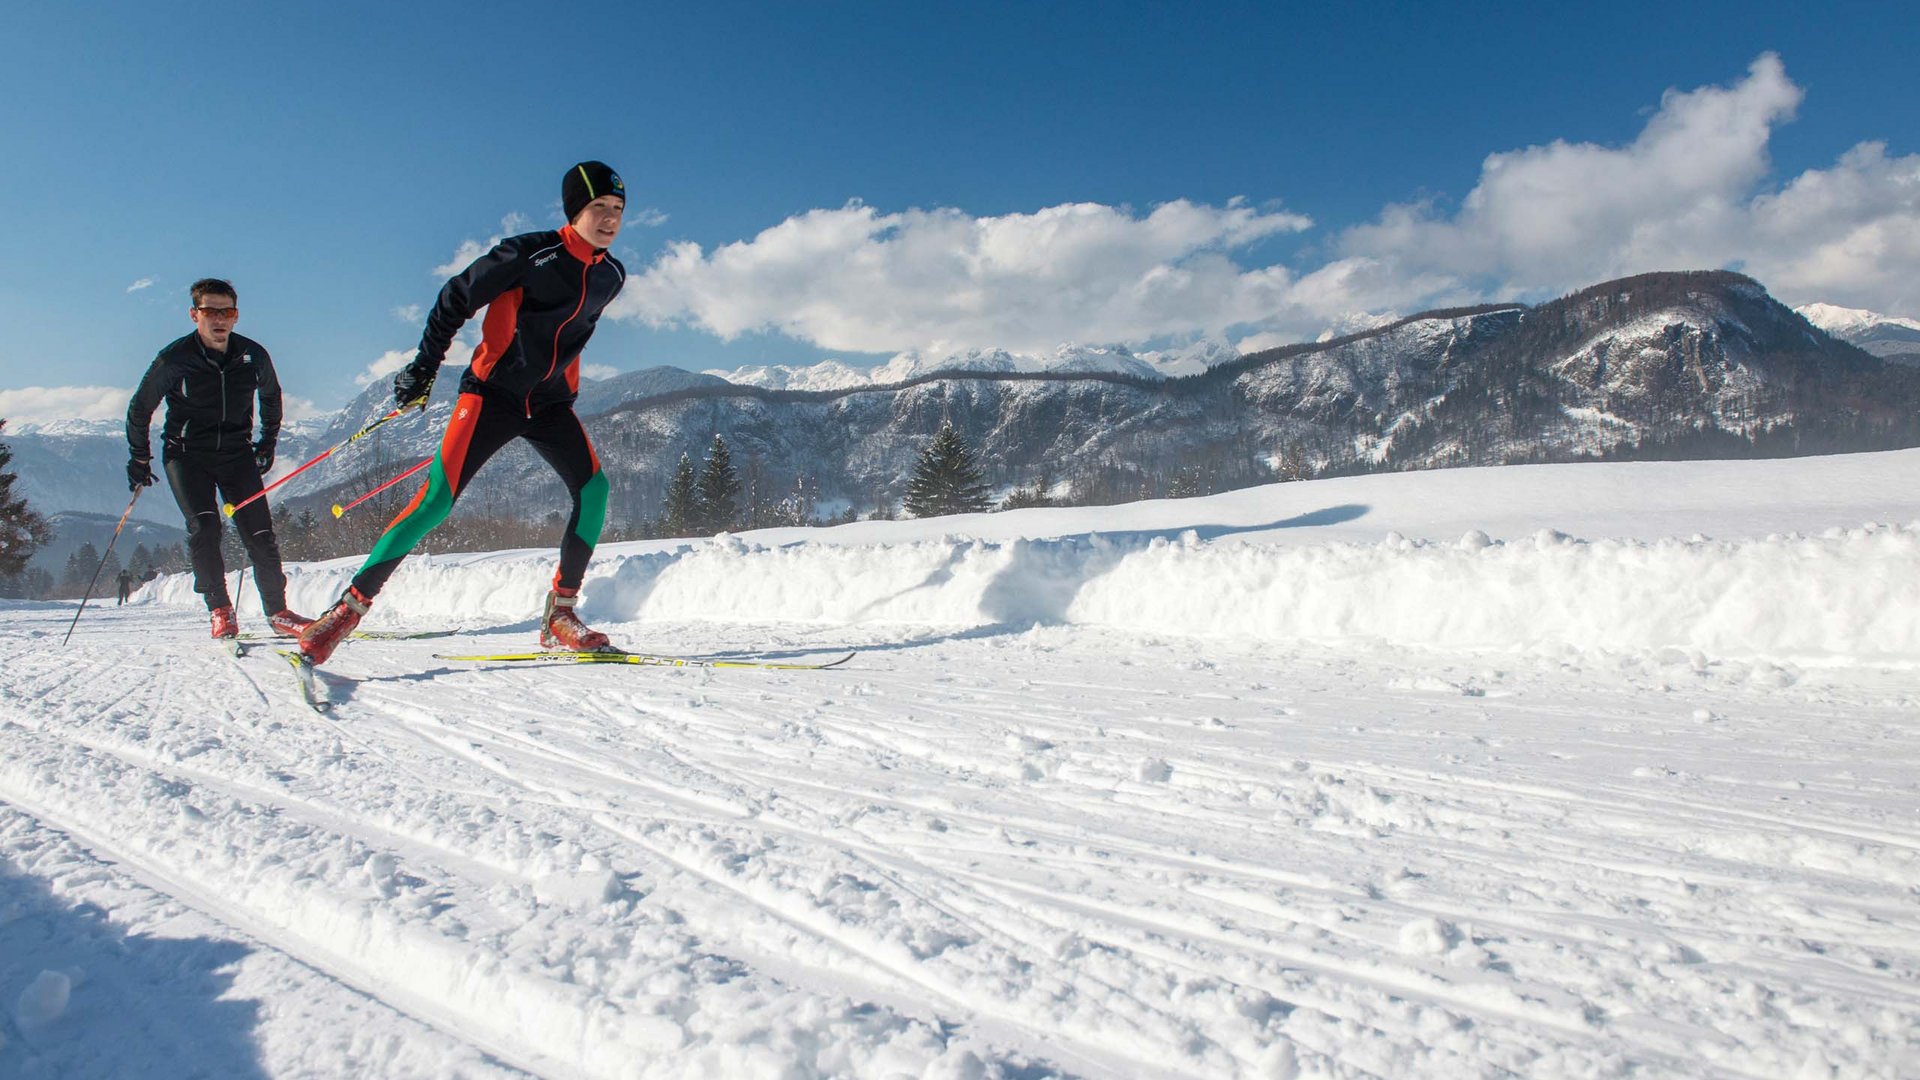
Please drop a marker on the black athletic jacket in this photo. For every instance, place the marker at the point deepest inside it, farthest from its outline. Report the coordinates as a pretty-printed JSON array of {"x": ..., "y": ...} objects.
[
  {"x": 209, "y": 399},
  {"x": 543, "y": 293}
]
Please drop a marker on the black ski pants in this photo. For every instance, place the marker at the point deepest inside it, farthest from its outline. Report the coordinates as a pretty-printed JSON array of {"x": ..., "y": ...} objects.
[{"x": 199, "y": 484}]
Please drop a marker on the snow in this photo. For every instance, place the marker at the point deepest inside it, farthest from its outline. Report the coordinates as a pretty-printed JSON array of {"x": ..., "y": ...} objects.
[
  {"x": 1066, "y": 358},
  {"x": 1583, "y": 771},
  {"x": 1847, "y": 323}
]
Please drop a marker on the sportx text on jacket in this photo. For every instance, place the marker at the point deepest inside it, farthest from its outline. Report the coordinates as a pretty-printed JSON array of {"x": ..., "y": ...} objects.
[{"x": 543, "y": 293}]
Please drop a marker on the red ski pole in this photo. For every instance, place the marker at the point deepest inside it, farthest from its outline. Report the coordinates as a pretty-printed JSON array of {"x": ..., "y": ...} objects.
[
  {"x": 419, "y": 403},
  {"x": 338, "y": 509}
]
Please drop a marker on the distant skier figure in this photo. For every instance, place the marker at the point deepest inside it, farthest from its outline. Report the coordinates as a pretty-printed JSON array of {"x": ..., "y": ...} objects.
[
  {"x": 209, "y": 379},
  {"x": 543, "y": 292},
  {"x": 126, "y": 586}
]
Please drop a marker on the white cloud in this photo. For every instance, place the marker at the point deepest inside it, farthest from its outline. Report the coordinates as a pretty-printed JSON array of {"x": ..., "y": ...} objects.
[
  {"x": 469, "y": 250},
  {"x": 1688, "y": 193},
  {"x": 463, "y": 257},
  {"x": 42, "y": 404},
  {"x": 598, "y": 371},
  {"x": 648, "y": 217},
  {"x": 298, "y": 408},
  {"x": 860, "y": 280},
  {"x": 389, "y": 362},
  {"x": 393, "y": 360},
  {"x": 145, "y": 282},
  {"x": 1692, "y": 190},
  {"x": 410, "y": 313}
]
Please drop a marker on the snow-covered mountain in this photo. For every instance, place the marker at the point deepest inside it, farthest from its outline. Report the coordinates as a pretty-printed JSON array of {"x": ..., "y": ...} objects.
[
  {"x": 1887, "y": 336},
  {"x": 1660, "y": 365},
  {"x": 1068, "y": 359}
]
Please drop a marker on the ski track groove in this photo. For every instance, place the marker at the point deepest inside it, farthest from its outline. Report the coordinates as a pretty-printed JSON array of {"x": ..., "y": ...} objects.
[
  {"x": 1056, "y": 837},
  {"x": 339, "y": 968}
]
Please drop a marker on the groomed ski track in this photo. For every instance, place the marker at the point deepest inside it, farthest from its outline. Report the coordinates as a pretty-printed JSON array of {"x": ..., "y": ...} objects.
[
  {"x": 1051, "y": 852},
  {"x": 1549, "y": 771}
]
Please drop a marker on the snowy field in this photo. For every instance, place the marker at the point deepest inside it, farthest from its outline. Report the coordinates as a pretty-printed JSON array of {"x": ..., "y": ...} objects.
[{"x": 1569, "y": 771}]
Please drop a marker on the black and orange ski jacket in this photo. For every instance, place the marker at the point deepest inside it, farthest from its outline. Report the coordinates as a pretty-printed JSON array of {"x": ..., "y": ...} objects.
[{"x": 543, "y": 293}]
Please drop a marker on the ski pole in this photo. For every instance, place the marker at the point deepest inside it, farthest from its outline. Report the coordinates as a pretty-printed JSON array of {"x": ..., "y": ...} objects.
[
  {"x": 338, "y": 509},
  {"x": 88, "y": 595},
  {"x": 417, "y": 403}
]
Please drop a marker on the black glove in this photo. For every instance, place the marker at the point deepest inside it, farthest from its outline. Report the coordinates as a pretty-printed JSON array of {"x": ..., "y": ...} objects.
[
  {"x": 263, "y": 457},
  {"x": 139, "y": 473},
  {"x": 411, "y": 384}
]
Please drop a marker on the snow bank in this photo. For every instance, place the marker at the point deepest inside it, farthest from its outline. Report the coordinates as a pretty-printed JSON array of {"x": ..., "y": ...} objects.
[{"x": 1843, "y": 596}]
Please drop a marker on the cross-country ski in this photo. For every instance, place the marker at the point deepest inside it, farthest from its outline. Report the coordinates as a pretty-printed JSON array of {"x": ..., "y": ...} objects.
[
  {"x": 312, "y": 693},
  {"x": 620, "y": 656}
]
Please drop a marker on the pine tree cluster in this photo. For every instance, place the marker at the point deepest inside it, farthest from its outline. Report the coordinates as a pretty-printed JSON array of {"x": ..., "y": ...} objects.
[{"x": 22, "y": 532}]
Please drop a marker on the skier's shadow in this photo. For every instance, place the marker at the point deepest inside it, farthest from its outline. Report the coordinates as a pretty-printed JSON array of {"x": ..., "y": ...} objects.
[
  {"x": 530, "y": 627},
  {"x": 166, "y": 1001},
  {"x": 345, "y": 693}
]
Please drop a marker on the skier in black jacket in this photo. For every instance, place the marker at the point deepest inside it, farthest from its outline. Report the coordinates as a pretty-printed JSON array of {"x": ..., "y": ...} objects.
[
  {"x": 209, "y": 379},
  {"x": 543, "y": 292}
]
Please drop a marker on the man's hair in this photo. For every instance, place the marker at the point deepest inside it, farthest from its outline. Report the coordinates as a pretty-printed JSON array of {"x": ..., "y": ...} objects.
[{"x": 215, "y": 286}]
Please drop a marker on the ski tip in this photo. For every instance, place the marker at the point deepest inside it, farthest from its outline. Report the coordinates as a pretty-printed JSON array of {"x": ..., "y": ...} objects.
[
  {"x": 227, "y": 509},
  {"x": 338, "y": 510}
]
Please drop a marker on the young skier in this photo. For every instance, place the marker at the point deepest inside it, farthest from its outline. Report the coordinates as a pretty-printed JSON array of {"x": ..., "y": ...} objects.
[
  {"x": 209, "y": 379},
  {"x": 543, "y": 292}
]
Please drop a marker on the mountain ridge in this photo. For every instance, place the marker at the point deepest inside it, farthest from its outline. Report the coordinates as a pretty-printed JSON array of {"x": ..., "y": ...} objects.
[{"x": 1692, "y": 363}]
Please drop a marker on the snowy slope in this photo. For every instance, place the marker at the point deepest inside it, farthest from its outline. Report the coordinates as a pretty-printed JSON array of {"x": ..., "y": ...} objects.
[
  {"x": 1887, "y": 336},
  {"x": 1582, "y": 771},
  {"x": 1066, "y": 359}
]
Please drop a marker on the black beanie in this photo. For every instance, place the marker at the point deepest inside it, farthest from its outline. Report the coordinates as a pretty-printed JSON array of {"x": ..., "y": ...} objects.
[{"x": 586, "y": 182}]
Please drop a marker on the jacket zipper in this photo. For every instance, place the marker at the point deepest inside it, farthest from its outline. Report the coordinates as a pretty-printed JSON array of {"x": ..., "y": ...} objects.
[{"x": 554, "y": 360}]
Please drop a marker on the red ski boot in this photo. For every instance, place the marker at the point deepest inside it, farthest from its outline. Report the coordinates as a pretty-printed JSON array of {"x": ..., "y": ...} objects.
[
  {"x": 225, "y": 625},
  {"x": 287, "y": 623},
  {"x": 324, "y": 634},
  {"x": 561, "y": 629}
]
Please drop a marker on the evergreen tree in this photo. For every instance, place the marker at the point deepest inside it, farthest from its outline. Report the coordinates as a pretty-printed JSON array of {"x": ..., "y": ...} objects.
[
  {"x": 22, "y": 532},
  {"x": 946, "y": 480},
  {"x": 798, "y": 507},
  {"x": 1023, "y": 498},
  {"x": 719, "y": 490},
  {"x": 80, "y": 566},
  {"x": 681, "y": 513}
]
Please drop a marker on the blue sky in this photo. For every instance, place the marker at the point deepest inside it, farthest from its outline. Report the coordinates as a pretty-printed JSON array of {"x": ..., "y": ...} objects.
[{"x": 856, "y": 180}]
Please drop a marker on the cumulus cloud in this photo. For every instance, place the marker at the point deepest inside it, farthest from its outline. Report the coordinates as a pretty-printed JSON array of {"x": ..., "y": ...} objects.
[
  {"x": 389, "y": 362},
  {"x": 393, "y": 360},
  {"x": 299, "y": 408},
  {"x": 470, "y": 250},
  {"x": 143, "y": 283},
  {"x": 858, "y": 279},
  {"x": 42, "y": 404},
  {"x": 1689, "y": 192},
  {"x": 598, "y": 371},
  {"x": 1694, "y": 189}
]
